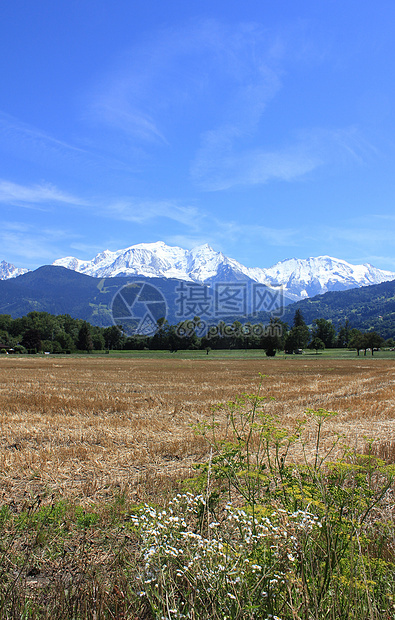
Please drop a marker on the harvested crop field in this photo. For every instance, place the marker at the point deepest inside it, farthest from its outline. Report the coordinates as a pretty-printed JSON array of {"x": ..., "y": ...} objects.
[{"x": 84, "y": 427}]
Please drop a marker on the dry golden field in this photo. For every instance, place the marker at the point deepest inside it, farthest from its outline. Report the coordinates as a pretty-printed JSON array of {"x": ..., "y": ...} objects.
[{"x": 85, "y": 428}]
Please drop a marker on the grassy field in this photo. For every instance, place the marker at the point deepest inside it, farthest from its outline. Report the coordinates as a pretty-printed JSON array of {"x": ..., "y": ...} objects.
[
  {"x": 84, "y": 438},
  {"x": 248, "y": 354}
]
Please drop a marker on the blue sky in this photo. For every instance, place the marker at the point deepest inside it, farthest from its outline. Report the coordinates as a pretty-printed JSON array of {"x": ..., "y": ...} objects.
[{"x": 265, "y": 128}]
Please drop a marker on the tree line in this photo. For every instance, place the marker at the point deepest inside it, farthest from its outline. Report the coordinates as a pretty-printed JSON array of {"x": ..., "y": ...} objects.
[{"x": 44, "y": 332}]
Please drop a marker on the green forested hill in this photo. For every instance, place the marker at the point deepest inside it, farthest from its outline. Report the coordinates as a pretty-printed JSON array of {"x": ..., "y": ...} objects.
[
  {"x": 61, "y": 291},
  {"x": 369, "y": 307},
  {"x": 58, "y": 290}
]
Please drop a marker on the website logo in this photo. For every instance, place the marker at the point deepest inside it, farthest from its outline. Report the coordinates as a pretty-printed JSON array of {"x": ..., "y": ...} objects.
[{"x": 137, "y": 307}]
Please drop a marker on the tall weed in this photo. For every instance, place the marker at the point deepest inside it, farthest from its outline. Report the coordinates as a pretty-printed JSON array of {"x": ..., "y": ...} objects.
[{"x": 266, "y": 536}]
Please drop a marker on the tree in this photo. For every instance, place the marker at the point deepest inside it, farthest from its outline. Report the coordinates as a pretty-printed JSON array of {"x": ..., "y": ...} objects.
[
  {"x": 317, "y": 344},
  {"x": 44, "y": 322},
  {"x": 113, "y": 337},
  {"x": 298, "y": 319},
  {"x": 32, "y": 340},
  {"x": 297, "y": 338},
  {"x": 160, "y": 340},
  {"x": 98, "y": 340},
  {"x": 324, "y": 330},
  {"x": 5, "y": 337},
  {"x": 357, "y": 340},
  {"x": 374, "y": 341},
  {"x": 274, "y": 337},
  {"x": 5, "y": 322},
  {"x": 344, "y": 335},
  {"x": 65, "y": 340},
  {"x": 84, "y": 341},
  {"x": 370, "y": 340}
]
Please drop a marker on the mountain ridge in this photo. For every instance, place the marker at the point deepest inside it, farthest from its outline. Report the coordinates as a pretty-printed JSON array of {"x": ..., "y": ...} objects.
[
  {"x": 58, "y": 290},
  {"x": 299, "y": 278}
]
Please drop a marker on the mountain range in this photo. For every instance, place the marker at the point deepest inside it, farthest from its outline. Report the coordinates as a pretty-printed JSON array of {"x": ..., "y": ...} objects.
[
  {"x": 58, "y": 290},
  {"x": 299, "y": 278}
]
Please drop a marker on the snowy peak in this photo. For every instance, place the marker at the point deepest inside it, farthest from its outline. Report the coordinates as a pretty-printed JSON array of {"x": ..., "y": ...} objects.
[
  {"x": 298, "y": 277},
  {"x": 7, "y": 271},
  {"x": 153, "y": 260},
  {"x": 317, "y": 275}
]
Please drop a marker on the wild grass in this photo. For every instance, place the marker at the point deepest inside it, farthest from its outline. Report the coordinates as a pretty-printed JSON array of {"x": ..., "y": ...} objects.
[{"x": 85, "y": 441}]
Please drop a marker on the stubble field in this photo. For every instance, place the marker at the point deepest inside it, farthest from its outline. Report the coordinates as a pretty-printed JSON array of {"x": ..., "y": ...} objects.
[{"x": 88, "y": 428}]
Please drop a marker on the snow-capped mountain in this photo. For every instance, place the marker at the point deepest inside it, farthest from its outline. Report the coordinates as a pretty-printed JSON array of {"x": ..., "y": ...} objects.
[
  {"x": 314, "y": 276},
  {"x": 200, "y": 264},
  {"x": 299, "y": 278},
  {"x": 7, "y": 270}
]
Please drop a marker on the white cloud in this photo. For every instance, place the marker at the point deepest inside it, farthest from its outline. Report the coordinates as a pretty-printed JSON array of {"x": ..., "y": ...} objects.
[
  {"x": 220, "y": 165},
  {"x": 250, "y": 233},
  {"x": 140, "y": 211},
  {"x": 42, "y": 196},
  {"x": 365, "y": 239},
  {"x": 116, "y": 111},
  {"x": 385, "y": 217},
  {"x": 222, "y": 162},
  {"x": 35, "y": 196},
  {"x": 201, "y": 70},
  {"x": 30, "y": 246},
  {"x": 35, "y": 145},
  {"x": 13, "y": 129}
]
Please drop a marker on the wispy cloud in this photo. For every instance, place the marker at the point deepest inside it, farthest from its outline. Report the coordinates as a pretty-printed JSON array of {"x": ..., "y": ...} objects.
[
  {"x": 220, "y": 165},
  {"x": 353, "y": 241},
  {"x": 140, "y": 211},
  {"x": 30, "y": 245},
  {"x": 384, "y": 217},
  {"x": 35, "y": 196},
  {"x": 222, "y": 162},
  {"x": 128, "y": 209},
  {"x": 225, "y": 234},
  {"x": 360, "y": 237},
  {"x": 16, "y": 130},
  {"x": 201, "y": 70},
  {"x": 216, "y": 81},
  {"x": 31, "y": 143},
  {"x": 115, "y": 110},
  {"x": 246, "y": 233}
]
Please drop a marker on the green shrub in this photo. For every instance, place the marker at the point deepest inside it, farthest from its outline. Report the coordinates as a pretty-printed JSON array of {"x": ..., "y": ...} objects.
[{"x": 268, "y": 537}]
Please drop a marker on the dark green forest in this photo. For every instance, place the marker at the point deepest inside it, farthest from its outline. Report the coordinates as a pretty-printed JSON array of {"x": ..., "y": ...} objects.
[{"x": 43, "y": 332}]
